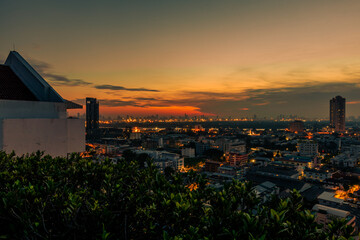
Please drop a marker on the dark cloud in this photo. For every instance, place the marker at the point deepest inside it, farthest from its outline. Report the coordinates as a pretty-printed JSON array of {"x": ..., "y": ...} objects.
[
  {"x": 110, "y": 102},
  {"x": 145, "y": 99},
  {"x": 118, "y": 103},
  {"x": 61, "y": 80},
  {"x": 307, "y": 99},
  {"x": 43, "y": 69},
  {"x": 121, "y": 88}
]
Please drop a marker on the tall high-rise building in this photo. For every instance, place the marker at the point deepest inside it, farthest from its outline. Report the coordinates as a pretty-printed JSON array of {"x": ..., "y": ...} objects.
[
  {"x": 337, "y": 114},
  {"x": 92, "y": 115}
]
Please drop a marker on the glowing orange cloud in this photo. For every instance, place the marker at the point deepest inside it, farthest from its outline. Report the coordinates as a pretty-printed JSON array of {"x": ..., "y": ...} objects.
[
  {"x": 353, "y": 102},
  {"x": 261, "y": 104}
]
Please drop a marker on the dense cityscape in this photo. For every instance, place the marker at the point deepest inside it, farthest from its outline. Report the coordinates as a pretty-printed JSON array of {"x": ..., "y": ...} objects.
[
  {"x": 180, "y": 120},
  {"x": 318, "y": 159}
]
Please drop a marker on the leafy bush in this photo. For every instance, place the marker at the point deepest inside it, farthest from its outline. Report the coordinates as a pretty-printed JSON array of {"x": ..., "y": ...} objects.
[{"x": 74, "y": 198}]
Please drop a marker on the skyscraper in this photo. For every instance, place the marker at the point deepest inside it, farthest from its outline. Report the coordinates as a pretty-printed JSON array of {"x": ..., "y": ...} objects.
[
  {"x": 92, "y": 115},
  {"x": 337, "y": 114}
]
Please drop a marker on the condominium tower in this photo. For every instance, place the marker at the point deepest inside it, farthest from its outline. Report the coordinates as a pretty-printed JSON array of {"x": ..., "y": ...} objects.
[
  {"x": 337, "y": 114},
  {"x": 92, "y": 116}
]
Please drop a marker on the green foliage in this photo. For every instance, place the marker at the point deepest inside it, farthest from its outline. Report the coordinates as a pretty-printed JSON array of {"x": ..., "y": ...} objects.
[{"x": 74, "y": 198}]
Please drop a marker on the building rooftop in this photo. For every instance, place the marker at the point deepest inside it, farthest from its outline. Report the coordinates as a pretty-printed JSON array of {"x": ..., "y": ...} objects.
[
  {"x": 278, "y": 170},
  {"x": 313, "y": 170},
  {"x": 11, "y": 86},
  {"x": 265, "y": 187},
  {"x": 330, "y": 210},
  {"x": 268, "y": 184},
  {"x": 19, "y": 81},
  {"x": 329, "y": 196},
  {"x": 297, "y": 159},
  {"x": 226, "y": 167}
]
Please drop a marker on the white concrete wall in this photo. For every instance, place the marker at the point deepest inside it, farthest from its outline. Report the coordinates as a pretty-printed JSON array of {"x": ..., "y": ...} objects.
[
  {"x": 76, "y": 135},
  {"x": 57, "y": 137},
  {"x": 1, "y": 134},
  {"x": 31, "y": 109}
]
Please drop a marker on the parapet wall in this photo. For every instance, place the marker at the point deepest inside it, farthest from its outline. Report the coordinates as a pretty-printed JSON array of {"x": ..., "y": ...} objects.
[
  {"x": 57, "y": 137},
  {"x": 31, "y": 109}
]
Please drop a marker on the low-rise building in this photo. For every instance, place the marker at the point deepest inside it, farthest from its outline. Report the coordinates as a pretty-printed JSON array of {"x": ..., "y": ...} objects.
[
  {"x": 238, "y": 147},
  {"x": 318, "y": 175},
  {"x": 329, "y": 199},
  {"x": 135, "y": 135},
  {"x": 298, "y": 161},
  {"x": 201, "y": 147},
  {"x": 282, "y": 171},
  {"x": 236, "y": 158},
  {"x": 212, "y": 166},
  {"x": 325, "y": 215},
  {"x": 346, "y": 159},
  {"x": 296, "y": 126},
  {"x": 265, "y": 190},
  {"x": 238, "y": 172},
  {"x": 308, "y": 148},
  {"x": 163, "y": 159},
  {"x": 188, "y": 152}
]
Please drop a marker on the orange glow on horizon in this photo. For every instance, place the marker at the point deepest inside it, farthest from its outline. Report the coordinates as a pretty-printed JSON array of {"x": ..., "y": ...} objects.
[{"x": 138, "y": 111}]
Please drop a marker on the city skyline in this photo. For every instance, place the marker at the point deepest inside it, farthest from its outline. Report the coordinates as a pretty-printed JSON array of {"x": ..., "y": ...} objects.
[{"x": 234, "y": 58}]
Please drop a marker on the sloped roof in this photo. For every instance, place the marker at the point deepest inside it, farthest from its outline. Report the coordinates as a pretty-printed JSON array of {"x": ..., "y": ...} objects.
[
  {"x": 72, "y": 105},
  {"x": 11, "y": 86},
  {"x": 330, "y": 210},
  {"x": 329, "y": 196},
  {"x": 32, "y": 79},
  {"x": 20, "y": 81}
]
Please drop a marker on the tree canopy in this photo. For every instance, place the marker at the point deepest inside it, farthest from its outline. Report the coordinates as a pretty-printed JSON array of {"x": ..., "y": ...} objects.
[{"x": 74, "y": 198}]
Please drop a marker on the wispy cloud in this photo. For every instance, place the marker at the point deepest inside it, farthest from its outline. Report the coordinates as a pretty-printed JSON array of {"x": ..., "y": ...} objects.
[
  {"x": 261, "y": 104},
  {"x": 110, "y": 102},
  {"x": 44, "y": 69},
  {"x": 307, "y": 99},
  {"x": 61, "y": 80},
  {"x": 121, "y": 88},
  {"x": 118, "y": 103}
]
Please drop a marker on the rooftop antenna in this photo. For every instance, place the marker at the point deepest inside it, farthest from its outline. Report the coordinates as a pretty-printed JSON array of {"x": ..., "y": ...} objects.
[{"x": 14, "y": 47}]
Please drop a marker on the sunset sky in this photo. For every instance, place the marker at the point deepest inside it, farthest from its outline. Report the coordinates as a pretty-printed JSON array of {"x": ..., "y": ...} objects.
[{"x": 229, "y": 58}]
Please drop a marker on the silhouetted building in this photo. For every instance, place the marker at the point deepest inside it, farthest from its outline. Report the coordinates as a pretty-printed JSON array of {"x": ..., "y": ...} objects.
[
  {"x": 212, "y": 166},
  {"x": 308, "y": 148},
  {"x": 92, "y": 116},
  {"x": 200, "y": 148},
  {"x": 324, "y": 215},
  {"x": 296, "y": 126},
  {"x": 33, "y": 116},
  {"x": 337, "y": 114}
]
